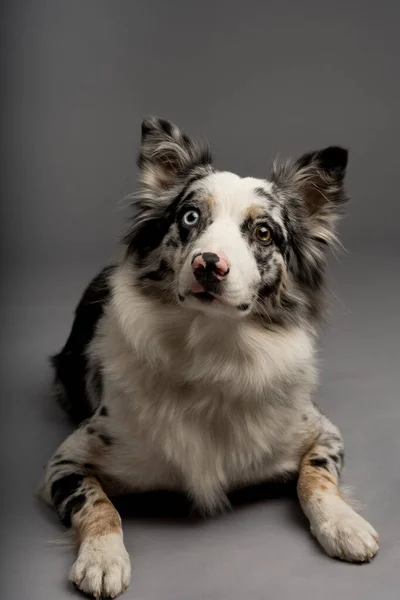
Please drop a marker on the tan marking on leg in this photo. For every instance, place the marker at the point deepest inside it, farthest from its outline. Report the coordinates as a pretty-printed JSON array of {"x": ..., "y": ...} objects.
[
  {"x": 339, "y": 529},
  {"x": 99, "y": 516},
  {"x": 312, "y": 480}
]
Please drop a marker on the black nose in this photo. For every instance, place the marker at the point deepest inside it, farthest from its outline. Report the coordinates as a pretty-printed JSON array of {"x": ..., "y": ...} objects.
[{"x": 210, "y": 259}]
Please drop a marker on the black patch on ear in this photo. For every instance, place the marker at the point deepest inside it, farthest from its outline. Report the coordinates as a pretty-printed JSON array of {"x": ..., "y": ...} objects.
[
  {"x": 333, "y": 158},
  {"x": 166, "y": 126},
  {"x": 312, "y": 197},
  {"x": 321, "y": 177}
]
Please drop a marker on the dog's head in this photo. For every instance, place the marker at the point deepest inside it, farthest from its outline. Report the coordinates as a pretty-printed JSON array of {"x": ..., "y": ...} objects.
[{"x": 225, "y": 245}]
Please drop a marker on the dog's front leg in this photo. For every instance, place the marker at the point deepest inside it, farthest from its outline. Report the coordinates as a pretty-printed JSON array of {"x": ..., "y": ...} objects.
[
  {"x": 102, "y": 568},
  {"x": 338, "y": 528}
]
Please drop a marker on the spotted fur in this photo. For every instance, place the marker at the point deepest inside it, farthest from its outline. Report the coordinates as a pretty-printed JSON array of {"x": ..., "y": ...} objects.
[{"x": 202, "y": 381}]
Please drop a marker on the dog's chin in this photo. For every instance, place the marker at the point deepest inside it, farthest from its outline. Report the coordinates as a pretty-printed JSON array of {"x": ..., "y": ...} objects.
[{"x": 214, "y": 305}]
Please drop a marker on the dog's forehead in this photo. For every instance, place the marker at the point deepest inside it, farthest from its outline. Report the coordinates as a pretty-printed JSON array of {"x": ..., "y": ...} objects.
[{"x": 236, "y": 196}]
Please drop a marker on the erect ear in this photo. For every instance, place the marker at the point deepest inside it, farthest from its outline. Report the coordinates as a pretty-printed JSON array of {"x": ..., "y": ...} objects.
[
  {"x": 167, "y": 155},
  {"x": 317, "y": 178}
]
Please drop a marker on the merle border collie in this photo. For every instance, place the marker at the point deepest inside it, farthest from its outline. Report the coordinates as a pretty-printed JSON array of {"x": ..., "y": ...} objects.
[{"x": 190, "y": 364}]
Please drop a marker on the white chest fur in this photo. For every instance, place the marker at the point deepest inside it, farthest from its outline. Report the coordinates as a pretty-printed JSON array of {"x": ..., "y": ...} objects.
[{"x": 221, "y": 403}]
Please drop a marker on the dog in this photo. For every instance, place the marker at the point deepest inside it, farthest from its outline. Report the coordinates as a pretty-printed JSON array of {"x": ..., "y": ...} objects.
[{"x": 190, "y": 365}]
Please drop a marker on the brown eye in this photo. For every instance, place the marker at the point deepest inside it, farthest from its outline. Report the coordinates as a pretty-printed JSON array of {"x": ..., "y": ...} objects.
[{"x": 263, "y": 234}]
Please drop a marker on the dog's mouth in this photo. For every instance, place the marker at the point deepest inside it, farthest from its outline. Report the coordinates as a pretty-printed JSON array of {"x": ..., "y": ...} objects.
[
  {"x": 210, "y": 297},
  {"x": 205, "y": 297}
]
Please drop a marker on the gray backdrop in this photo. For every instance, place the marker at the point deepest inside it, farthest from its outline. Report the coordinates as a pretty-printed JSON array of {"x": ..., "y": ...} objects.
[{"x": 257, "y": 78}]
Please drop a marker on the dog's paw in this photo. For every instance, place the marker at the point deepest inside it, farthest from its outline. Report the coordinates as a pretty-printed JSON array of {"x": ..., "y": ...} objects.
[
  {"x": 103, "y": 568},
  {"x": 347, "y": 536}
]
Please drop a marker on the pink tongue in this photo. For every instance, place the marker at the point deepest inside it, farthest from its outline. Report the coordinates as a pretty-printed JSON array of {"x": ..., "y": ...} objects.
[{"x": 196, "y": 288}]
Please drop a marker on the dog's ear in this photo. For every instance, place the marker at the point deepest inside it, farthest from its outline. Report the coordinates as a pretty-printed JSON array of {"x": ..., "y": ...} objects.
[
  {"x": 317, "y": 179},
  {"x": 167, "y": 155}
]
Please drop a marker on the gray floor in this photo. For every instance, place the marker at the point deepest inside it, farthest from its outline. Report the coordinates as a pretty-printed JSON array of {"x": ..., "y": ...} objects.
[{"x": 260, "y": 550}]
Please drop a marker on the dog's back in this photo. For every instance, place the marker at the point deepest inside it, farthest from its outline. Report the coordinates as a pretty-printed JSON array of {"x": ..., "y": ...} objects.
[{"x": 70, "y": 364}]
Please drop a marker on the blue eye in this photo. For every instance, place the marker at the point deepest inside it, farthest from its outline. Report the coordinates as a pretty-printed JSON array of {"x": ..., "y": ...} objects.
[{"x": 190, "y": 219}]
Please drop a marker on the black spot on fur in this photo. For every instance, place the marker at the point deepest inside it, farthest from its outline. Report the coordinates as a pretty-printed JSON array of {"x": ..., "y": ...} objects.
[
  {"x": 64, "y": 487},
  {"x": 159, "y": 274},
  {"x": 106, "y": 439},
  {"x": 71, "y": 364},
  {"x": 148, "y": 236},
  {"x": 97, "y": 381},
  {"x": 103, "y": 411},
  {"x": 247, "y": 227},
  {"x": 335, "y": 458},
  {"x": 91, "y": 430},
  {"x": 89, "y": 466},
  {"x": 268, "y": 289},
  {"x": 73, "y": 506},
  {"x": 319, "y": 462},
  {"x": 263, "y": 193},
  {"x": 304, "y": 417},
  {"x": 243, "y": 307}
]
